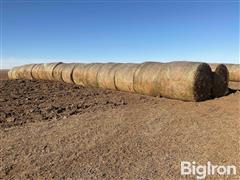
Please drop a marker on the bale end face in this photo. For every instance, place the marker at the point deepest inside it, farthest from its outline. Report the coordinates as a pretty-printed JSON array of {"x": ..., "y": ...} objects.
[
  {"x": 203, "y": 82},
  {"x": 220, "y": 81}
]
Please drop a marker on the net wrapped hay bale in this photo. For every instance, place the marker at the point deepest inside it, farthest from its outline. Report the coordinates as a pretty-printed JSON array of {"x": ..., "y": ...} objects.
[
  {"x": 79, "y": 73},
  {"x": 124, "y": 77},
  {"x": 220, "y": 80},
  {"x": 188, "y": 81},
  {"x": 45, "y": 71},
  {"x": 106, "y": 75},
  {"x": 233, "y": 69},
  {"x": 91, "y": 74},
  {"x": 145, "y": 78},
  {"x": 67, "y": 72}
]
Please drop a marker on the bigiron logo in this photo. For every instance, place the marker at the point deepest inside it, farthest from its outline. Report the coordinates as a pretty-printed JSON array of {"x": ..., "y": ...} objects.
[{"x": 202, "y": 171}]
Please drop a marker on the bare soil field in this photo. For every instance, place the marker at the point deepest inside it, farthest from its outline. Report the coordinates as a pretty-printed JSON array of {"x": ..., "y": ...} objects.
[
  {"x": 57, "y": 130},
  {"x": 3, "y": 74}
]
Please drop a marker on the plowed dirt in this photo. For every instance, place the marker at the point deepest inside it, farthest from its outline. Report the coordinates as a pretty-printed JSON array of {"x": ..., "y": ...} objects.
[{"x": 56, "y": 130}]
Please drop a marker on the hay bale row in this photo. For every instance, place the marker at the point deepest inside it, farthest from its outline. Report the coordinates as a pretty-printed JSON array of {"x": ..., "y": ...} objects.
[
  {"x": 234, "y": 71},
  {"x": 178, "y": 80},
  {"x": 189, "y": 81}
]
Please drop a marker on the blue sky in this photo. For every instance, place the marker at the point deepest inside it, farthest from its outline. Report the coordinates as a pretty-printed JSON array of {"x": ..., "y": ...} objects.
[{"x": 118, "y": 31}]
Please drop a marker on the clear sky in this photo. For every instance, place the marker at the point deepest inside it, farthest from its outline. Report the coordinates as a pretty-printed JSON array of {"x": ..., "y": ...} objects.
[{"x": 118, "y": 31}]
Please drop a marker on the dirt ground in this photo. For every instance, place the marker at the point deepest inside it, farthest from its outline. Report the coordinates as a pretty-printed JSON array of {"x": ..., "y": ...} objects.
[
  {"x": 3, "y": 74},
  {"x": 57, "y": 130}
]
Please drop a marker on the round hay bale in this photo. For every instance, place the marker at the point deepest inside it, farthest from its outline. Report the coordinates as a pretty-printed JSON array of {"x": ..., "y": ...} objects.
[
  {"x": 45, "y": 71},
  {"x": 234, "y": 72},
  {"x": 189, "y": 81},
  {"x": 106, "y": 74},
  {"x": 79, "y": 73},
  {"x": 91, "y": 74},
  {"x": 26, "y": 71},
  {"x": 220, "y": 81},
  {"x": 19, "y": 72},
  {"x": 35, "y": 71},
  {"x": 14, "y": 73},
  {"x": 233, "y": 69},
  {"x": 67, "y": 71},
  {"x": 57, "y": 72},
  {"x": 124, "y": 77},
  {"x": 145, "y": 78}
]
